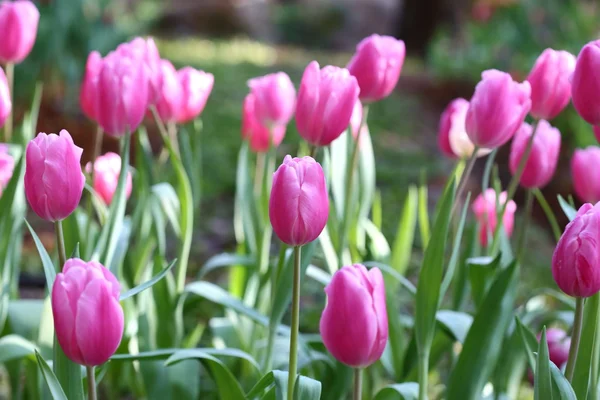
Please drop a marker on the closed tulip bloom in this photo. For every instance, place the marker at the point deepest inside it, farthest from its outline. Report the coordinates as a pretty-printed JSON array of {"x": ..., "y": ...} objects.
[
  {"x": 122, "y": 95},
  {"x": 275, "y": 98},
  {"x": 542, "y": 161},
  {"x": 452, "y": 135},
  {"x": 146, "y": 52},
  {"x": 5, "y": 98},
  {"x": 53, "y": 178},
  {"x": 586, "y": 174},
  {"x": 377, "y": 65},
  {"x": 299, "y": 204},
  {"x": 550, "y": 83},
  {"x": 354, "y": 324},
  {"x": 106, "y": 176},
  {"x": 326, "y": 100},
  {"x": 170, "y": 98},
  {"x": 484, "y": 208},
  {"x": 497, "y": 109},
  {"x": 585, "y": 85},
  {"x": 576, "y": 260},
  {"x": 18, "y": 29},
  {"x": 196, "y": 86},
  {"x": 88, "y": 318},
  {"x": 259, "y": 136},
  {"x": 356, "y": 118},
  {"x": 7, "y": 167},
  {"x": 89, "y": 87}
]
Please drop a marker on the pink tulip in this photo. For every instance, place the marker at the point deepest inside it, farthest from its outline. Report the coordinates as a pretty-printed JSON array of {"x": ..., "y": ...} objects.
[
  {"x": 88, "y": 97},
  {"x": 145, "y": 51},
  {"x": 122, "y": 95},
  {"x": 452, "y": 135},
  {"x": 5, "y": 98},
  {"x": 585, "y": 85},
  {"x": 550, "y": 83},
  {"x": 354, "y": 324},
  {"x": 275, "y": 98},
  {"x": 18, "y": 29},
  {"x": 299, "y": 204},
  {"x": 7, "y": 166},
  {"x": 497, "y": 109},
  {"x": 88, "y": 318},
  {"x": 542, "y": 161},
  {"x": 325, "y": 103},
  {"x": 196, "y": 86},
  {"x": 576, "y": 259},
  {"x": 586, "y": 174},
  {"x": 260, "y": 136},
  {"x": 485, "y": 211},
  {"x": 356, "y": 118},
  {"x": 376, "y": 65},
  {"x": 558, "y": 347},
  {"x": 53, "y": 178},
  {"x": 170, "y": 99},
  {"x": 106, "y": 176}
]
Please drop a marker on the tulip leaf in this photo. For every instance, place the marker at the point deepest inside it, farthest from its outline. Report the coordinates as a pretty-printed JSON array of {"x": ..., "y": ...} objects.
[
  {"x": 225, "y": 260},
  {"x": 423, "y": 218},
  {"x": 457, "y": 323},
  {"x": 56, "y": 390},
  {"x": 244, "y": 218},
  {"x": 569, "y": 211},
  {"x": 24, "y": 316},
  {"x": 14, "y": 347},
  {"x": 405, "y": 232},
  {"x": 542, "y": 382},
  {"x": 581, "y": 376},
  {"x": 366, "y": 187},
  {"x": 561, "y": 385},
  {"x": 305, "y": 388},
  {"x": 185, "y": 354},
  {"x": 148, "y": 283},
  {"x": 399, "y": 391},
  {"x": 481, "y": 274},
  {"x": 318, "y": 275},
  {"x": 388, "y": 270},
  {"x": 152, "y": 355},
  {"x": 49, "y": 269}
]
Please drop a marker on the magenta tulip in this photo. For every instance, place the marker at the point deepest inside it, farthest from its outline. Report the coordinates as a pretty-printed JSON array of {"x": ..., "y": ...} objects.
[
  {"x": 576, "y": 259},
  {"x": 326, "y": 100},
  {"x": 377, "y": 65},
  {"x": 88, "y": 95},
  {"x": 145, "y": 52},
  {"x": 170, "y": 98},
  {"x": 106, "y": 176},
  {"x": 7, "y": 167},
  {"x": 585, "y": 85},
  {"x": 53, "y": 178},
  {"x": 452, "y": 135},
  {"x": 88, "y": 318},
  {"x": 484, "y": 208},
  {"x": 586, "y": 174},
  {"x": 5, "y": 98},
  {"x": 542, "y": 161},
  {"x": 299, "y": 204},
  {"x": 18, "y": 30},
  {"x": 275, "y": 98},
  {"x": 259, "y": 136},
  {"x": 196, "y": 86},
  {"x": 354, "y": 324},
  {"x": 497, "y": 109},
  {"x": 550, "y": 83}
]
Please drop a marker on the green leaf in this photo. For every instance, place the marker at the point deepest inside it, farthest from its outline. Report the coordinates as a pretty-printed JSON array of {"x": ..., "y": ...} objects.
[
  {"x": 455, "y": 250},
  {"x": 166, "y": 198},
  {"x": 569, "y": 211},
  {"x": 583, "y": 365},
  {"x": 561, "y": 384},
  {"x": 399, "y": 391},
  {"x": 484, "y": 340},
  {"x": 405, "y": 233},
  {"x": 529, "y": 341},
  {"x": 49, "y": 269},
  {"x": 305, "y": 388},
  {"x": 225, "y": 260},
  {"x": 423, "y": 213},
  {"x": 146, "y": 355},
  {"x": 388, "y": 270},
  {"x": 542, "y": 382},
  {"x": 482, "y": 271},
  {"x": 318, "y": 275},
  {"x": 24, "y": 316},
  {"x": 244, "y": 219},
  {"x": 147, "y": 284},
  {"x": 457, "y": 323},
  {"x": 186, "y": 354},
  {"x": 14, "y": 347},
  {"x": 56, "y": 390}
]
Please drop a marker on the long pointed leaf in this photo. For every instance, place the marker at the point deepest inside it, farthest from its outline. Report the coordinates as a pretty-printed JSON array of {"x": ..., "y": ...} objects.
[{"x": 542, "y": 383}]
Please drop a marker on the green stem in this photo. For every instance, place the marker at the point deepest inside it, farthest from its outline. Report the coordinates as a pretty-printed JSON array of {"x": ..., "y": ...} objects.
[
  {"x": 60, "y": 244},
  {"x": 595, "y": 361},
  {"x": 522, "y": 237},
  {"x": 95, "y": 153},
  {"x": 295, "y": 324},
  {"x": 259, "y": 172},
  {"x": 275, "y": 272},
  {"x": 8, "y": 126},
  {"x": 423, "y": 375},
  {"x": 91, "y": 381},
  {"x": 313, "y": 151},
  {"x": 549, "y": 214},
  {"x": 464, "y": 178},
  {"x": 357, "y": 393},
  {"x": 575, "y": 338}
]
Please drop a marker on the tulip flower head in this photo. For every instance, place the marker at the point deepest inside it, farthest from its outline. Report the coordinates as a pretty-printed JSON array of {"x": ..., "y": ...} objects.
[
  {"x": 145, "y": 52},
  {"x": 486, "y": 212},
  {"x": 5, "y": 98},
  {"x": 585, "y": 85},
  {"x": 260, "y": 136},
  {"x": 18, "y": 30},
  {"x": 196, "y": 86},
  {"x": 106, "y": 176},
  {"x": 452, "y": 134},
  {"x": 7, "y": 167},
  {"x": 89, "y": 87},
  {"x": 170, "y": 98},
  {"x": 356, "y": 118},
  {"x": 586, "y": 174},
  {"x": 274, "y": 98}
]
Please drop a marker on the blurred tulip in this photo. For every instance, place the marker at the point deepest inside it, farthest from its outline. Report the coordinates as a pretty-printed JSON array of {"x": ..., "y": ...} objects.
[
  {"x": 585, "y": 85},
  {"x": 18, "y": 30},
  {"x": 196, "y": 86},
  {"x": 452, "y": 134},
  {"x": 550, "y": 83},
  {"x": 576, "y": 259},
  {"x": 145, "y": 52},
  {"x": 356, "y": 118},
  {"x": 325, "y": 103},
  {"x": 256, "y": 133},
  {"x": 558, "y": 345},
  {"x": 484, "y": 208},
  {"x": 497, "y": 109},
  {"x": 53, "y": 178},
  {"x": 376, "y": 65},
  {"x": 106, "y": 176},
  {"x": 88, "y": 94},
  {"x": 88, "y": 318},
  {"x": 5, "y": 98},
  {"x": 7, "y": 166},
  {"x": 542, "y": 160},
  {"x": 586, "y": 174},
  {"x": 170, "y": 98},
  {"x": 299, "y": 204},
  {"x": 354, "y": 324},
  {"x": 275, "y": 98}
]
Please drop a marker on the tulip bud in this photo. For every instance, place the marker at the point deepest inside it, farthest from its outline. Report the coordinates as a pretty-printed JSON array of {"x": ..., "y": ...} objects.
[
  {"x": 196, "y": 86},
  {"x": 275, "y": 98},
  {"x": 106, "y": 176},
  {"x": 452, "y": 135},
  {"x": 576, "y": 260},
  {"x": 146, "y": 53},
  {"x": 497, "y": 109},
  {"x": 88, "y": 318},
  {"x": 542, "y": 161},
  {"x": 53, "y": 178},
  {"x": 586, "y": 174},
  {"x": 325, "y": 103},
  {"x": 5, "y": 98},
  {"x": 299, "y": 204},
  {"x": 354, "y": 324},
  {"x": 585, "y": 85},
  {"x": 356, "y": 118},
  {"x": 170, "y": 97},
  {"x": 89, "y": 87},
  {"x": 18, "y": 29},
  {"x": 376, "y": 65},
  {"x": 486, "y": 213},
  {"x": 260, "y": 136},
  {"x": 122, "y": 95},
  {"x": 550, "y": 83},
  {"x": 7, "y": 166}
]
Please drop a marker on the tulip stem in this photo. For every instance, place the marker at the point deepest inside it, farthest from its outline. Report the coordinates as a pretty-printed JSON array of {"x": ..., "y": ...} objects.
[
  {"x": 295, "y": 324},
  {"x": 357, "y": 394},
  {"x": 522, "y": 238},
  {"x": 423, "y": 374},
  {"x": 464, "y": 178},
  {"x": 549, "y": 214},
  {"x": 10, "y": 73},
  {"x": 60, "y": 244},
  {"x": 91, "y": 382},
  {"x": 95, "y": 153},
  {"x": 575, "y": 338}
]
